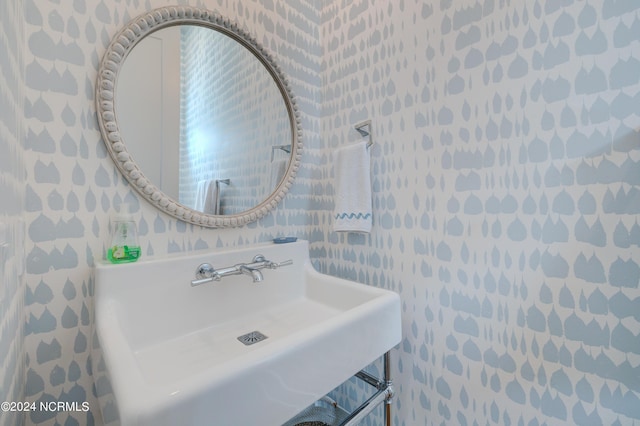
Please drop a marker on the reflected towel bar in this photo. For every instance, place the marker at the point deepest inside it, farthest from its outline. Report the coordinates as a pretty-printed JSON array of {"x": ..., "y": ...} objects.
[
  {"x": 285, "y": 148},
  {"x": 218, "y": 208}
]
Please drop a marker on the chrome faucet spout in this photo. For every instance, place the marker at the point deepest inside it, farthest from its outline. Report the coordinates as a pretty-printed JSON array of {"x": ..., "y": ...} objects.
[{"x": 252, "y": 272}]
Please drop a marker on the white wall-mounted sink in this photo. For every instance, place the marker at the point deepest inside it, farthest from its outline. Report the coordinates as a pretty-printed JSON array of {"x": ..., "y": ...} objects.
[{"x": 168, "y": 354}]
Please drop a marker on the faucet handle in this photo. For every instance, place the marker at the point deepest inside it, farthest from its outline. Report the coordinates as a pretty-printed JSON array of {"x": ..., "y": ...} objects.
[
  {"x": 205, "y": 270},
  {"x": 283, "y": 263},
  {"x": 204, "y": 274},
  {"x": 198, "y": 282},
  {"x": 270, "y": 264}
]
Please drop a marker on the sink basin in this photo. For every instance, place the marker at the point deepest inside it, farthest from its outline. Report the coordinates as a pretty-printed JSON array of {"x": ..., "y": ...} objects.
[{"x": 168, "y": 353}]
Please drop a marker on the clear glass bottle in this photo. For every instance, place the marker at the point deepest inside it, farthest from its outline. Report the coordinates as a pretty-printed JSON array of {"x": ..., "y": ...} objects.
[{"x": 124, "y": 246}]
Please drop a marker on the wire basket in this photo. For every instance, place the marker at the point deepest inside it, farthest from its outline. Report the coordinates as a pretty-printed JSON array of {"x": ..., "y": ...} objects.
[{"x": 320, "y": 413}]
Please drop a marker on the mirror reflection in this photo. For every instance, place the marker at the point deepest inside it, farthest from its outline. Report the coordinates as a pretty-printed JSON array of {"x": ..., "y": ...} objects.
[{"x": 211, "y": 130}]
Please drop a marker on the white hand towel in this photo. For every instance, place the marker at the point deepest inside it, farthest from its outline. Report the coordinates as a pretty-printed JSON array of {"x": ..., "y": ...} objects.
[
  {"x": 214, "y": 198},
  {"x": 207, "y": 197},
  {"x": 198, "y": 201},
  {"x": 353, "y": 209}
]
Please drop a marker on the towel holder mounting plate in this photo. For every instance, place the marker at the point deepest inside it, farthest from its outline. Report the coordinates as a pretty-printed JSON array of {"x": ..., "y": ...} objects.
[{"x": 364, "y": 129}]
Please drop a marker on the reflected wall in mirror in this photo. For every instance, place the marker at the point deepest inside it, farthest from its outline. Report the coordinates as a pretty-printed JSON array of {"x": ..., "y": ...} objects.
[
  {"x": 212, "y": 116},
  {"x": 197, "y": 119}
]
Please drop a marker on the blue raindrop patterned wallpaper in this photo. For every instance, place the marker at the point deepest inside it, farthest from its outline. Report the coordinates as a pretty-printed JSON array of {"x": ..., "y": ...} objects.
[
  {"x": 506, "y": 177},
  {"x": 12, "y": 181},
  {"x": 73, "y": 187}
]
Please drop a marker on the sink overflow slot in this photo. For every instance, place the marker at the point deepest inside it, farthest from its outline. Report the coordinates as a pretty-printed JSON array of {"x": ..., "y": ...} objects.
[{"x": 252, "y": 337}]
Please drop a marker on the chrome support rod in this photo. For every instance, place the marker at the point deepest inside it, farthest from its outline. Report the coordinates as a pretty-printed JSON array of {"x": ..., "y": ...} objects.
[
  {"x": 365, "y": 409},
  {"x": 384, "y": 394},
  {"x": 370, "y": 379},
  {"x": 389, "y": 386}
]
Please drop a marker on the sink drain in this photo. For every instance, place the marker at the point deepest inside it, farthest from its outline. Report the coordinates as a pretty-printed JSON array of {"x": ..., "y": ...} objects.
[{"x": 252, "y": 337}]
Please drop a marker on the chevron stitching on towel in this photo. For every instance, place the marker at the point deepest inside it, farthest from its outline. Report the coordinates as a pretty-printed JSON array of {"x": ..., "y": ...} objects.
[{"x": 353, "y": 215}]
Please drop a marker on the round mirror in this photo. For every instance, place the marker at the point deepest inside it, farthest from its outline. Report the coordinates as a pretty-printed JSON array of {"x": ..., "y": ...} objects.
[{"x": 197, "y": 117}]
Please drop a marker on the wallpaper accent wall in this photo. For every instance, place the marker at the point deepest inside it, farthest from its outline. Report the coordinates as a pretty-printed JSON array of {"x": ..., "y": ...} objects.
[
  {"x": 506, "y": 174},
  {"x": 505, "y": 177},
  {"x": 12, "y": 182},
  {"x": 73, "y": 188}
]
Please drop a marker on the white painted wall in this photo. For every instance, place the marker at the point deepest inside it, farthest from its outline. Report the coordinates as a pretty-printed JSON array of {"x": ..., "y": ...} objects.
[{"x": 148, "y": 107}]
